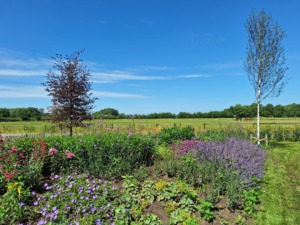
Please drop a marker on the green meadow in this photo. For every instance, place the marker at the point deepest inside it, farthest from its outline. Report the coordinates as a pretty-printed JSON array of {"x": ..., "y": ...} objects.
[{"x": 152, "y": 125}]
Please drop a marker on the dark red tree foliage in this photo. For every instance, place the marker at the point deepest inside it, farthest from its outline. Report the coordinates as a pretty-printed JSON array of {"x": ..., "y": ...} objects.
[{"x": 69, "y": 86}]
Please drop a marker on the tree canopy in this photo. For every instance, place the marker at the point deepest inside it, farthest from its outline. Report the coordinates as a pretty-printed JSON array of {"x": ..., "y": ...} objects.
[{"x": 69, "y": 86}]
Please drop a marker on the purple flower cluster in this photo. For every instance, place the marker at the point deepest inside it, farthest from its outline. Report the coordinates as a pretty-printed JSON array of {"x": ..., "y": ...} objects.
[
  {"x": 236, "y": 154},
  {"x": 185, "y": 146},
  {"x": 74, "y": 196}
]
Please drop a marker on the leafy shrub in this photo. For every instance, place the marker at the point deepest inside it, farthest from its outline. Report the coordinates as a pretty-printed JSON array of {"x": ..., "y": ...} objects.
[
  {"x": 175, "y": 133},
  {"x": 221, "y": 135},
  {"x": 27, "y": 163},
  {"x": 107, "y": 154}
]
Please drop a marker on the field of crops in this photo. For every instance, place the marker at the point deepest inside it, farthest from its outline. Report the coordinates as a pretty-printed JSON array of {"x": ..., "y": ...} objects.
[
  {"x": 277, "y": 129},
  {"x": 151, "y": 125}
]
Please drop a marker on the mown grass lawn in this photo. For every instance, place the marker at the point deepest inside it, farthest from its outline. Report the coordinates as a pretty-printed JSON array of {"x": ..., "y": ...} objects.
[{"x": 281, "y": 193}]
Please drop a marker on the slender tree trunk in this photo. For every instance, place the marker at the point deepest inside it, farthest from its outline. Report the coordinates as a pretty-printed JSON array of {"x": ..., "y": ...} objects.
[
  {"x": 258, "y": 108},
  {"x": 71, "y": 130},
  {"x": 258, "y": 122}
]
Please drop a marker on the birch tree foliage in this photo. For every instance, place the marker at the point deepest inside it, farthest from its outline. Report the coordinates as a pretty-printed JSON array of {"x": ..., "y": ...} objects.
[{"x": 265, "y": 60}]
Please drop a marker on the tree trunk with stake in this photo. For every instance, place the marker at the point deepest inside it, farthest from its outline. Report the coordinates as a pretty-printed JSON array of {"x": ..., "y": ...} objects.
[{"x": 265, "y": 60}]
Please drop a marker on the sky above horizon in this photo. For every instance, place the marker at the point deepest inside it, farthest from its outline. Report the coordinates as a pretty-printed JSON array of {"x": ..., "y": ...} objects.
[{"x": 145, "y": 56}]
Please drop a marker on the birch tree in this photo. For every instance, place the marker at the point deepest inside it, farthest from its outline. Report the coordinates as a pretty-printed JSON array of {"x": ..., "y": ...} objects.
[{"x": 265, "y": 60}]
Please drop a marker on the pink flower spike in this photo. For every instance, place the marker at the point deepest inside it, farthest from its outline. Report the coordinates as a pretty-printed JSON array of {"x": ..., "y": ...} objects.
[
  {"x": 13, "y": 150},
  {"x": 69, "y": 154},
  {"x": 53, "y": 151}
]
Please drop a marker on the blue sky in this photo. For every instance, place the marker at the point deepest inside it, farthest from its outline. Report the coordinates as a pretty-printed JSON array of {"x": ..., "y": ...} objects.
[{"x": 145, "y": 56}]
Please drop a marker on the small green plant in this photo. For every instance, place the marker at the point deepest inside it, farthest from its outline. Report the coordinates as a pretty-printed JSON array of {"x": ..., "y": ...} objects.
[
  {"x": 130, "y": 185},
  {"x": 206, "y": 210},
  {"x": 148, "y": 191},
  {"x": 12, "y": 203},
  {"x": 150, "y": 219},
  {"x": 141, "y": 173},
  {"x": 251, "y": 200},
  {"x": 158, "y": 168},
  {"x": 171, "y": 206}
]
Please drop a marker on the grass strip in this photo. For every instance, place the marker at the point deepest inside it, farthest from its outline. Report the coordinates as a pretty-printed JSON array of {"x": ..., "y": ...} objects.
[{"x": 281, "y": 193}]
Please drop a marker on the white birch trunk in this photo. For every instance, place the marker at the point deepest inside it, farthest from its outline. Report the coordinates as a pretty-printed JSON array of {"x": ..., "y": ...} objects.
[
  {"x": 258, "y": 108},
  {"x": 258, "y": 122}
]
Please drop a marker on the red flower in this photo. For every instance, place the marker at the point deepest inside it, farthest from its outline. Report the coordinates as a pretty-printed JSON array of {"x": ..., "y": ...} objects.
[
  {"x": 9, "y": 176},
  {"x": 21, "y": 155},
  {"x": 13, "y": 150}
]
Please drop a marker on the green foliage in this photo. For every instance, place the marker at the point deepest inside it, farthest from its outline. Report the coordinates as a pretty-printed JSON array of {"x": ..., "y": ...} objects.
[
  {"x": 108, "y": 154},
  {"x": 107, "y": 113},
  {"x": 12, "y": 203},
  {"x": 175, "y": 133},
  {"x": 222, "y": 134},
  {"x": 179, "y": 199},
  {"x": 150, "y": 219},
  {"x": 280, "y": 196},
  {"x": 251, "y": 200},
  {"x": 206, "y": 210},
  {"x": 27, "y": 163}
]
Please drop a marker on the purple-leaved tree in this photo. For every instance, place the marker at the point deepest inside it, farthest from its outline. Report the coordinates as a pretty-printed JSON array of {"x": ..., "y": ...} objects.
[{"x": 69, "y": 86}]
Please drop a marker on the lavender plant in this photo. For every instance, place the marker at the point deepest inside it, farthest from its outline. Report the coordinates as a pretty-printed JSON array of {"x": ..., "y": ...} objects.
[{"x": 235, "y": 154}]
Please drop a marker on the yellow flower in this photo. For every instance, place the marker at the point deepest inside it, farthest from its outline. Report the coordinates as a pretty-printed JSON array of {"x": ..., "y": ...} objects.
[
  {"x": 9, "y": 187},
  {"x": 19, "y": 190},
  {"x": 16, "y": 184}
]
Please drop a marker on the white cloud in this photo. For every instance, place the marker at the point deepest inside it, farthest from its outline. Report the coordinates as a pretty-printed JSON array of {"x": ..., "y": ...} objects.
[
  {"x": 192, "y": 76},
  {"x": 114, "y": 76},
  {"x": 159, "y": 68},
  {"x": 22, "y": 91},
  {"x": 28, "y": 91},
  {"x": 22, "y": 73},
  {"x": 102, "y": 94},
  {"x": 14, "y": 59}
]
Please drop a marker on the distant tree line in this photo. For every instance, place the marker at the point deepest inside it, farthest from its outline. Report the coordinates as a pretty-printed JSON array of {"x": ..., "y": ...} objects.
[
  {"x": 21, "y": 114},
  {"x": 269, "y": 110},
  {"x": 292, "y": 110}
]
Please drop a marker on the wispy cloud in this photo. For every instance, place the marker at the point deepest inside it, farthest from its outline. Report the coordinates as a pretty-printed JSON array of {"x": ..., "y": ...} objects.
[
  {"x": 19, "y": 60},
  {"x": 192, "y": 76},
  {"x": 30, "y": 91},
  {"x": 159, "y": 68},
  {"x": 148, "y": 22},
  {"x": 22, "y": 91},
  {"x": 102, "y": 94},
  {"x": 114, "y": 76},
  {"x": 22, "y": 73}
]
